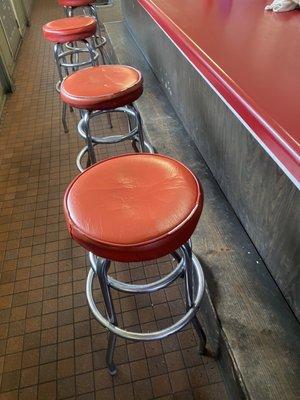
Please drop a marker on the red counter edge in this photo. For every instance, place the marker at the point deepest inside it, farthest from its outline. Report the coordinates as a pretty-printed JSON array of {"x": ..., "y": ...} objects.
[{"x": 270, "y": 135}]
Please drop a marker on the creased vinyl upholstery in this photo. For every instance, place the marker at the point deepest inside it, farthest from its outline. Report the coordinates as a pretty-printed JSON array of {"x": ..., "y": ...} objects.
[
  {"x": 133, "y": 207},
  {"x": 101, "y": 88}
]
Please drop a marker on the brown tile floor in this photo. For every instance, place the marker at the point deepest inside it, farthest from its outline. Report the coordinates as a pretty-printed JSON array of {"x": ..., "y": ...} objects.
[{"x": 50, "y": 347}]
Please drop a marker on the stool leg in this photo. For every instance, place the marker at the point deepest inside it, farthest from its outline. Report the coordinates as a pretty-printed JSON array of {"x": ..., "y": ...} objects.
[
  {"x": 140, "y": 129},
  {"x": 134, "y": 140},
  {"x": 102, "y": 55},
  {"x": 100, "y": 48},
  {"x": 64, "y": 117},
  {"x": 108, "y": 116},
  {"x": 64, "y": 60},
  {"x": 189, "y": 290},
  {"x": 95, "y": 15},
  {"x": 69, "y": 11},
  {"x": 57, "y": 51},
  {"x": 112, "y": 369},
  {"x": 74, "y": 58},
  {"x": 102, "y": 269},
  {"x": 129, "y": 123},
  {"x": 94, "y": 62},
  {"x": 89, "y": 141}
]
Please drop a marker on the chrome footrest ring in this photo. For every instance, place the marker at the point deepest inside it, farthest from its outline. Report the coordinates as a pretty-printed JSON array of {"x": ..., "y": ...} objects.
[{"x": 199, "y": 290}]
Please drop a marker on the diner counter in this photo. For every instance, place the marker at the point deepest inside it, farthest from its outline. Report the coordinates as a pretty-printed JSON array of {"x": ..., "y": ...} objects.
[{"x": 250, "y": 57}]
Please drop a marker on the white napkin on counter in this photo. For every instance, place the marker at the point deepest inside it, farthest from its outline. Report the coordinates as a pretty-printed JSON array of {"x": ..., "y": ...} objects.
[{"x": 283, "y": 5}]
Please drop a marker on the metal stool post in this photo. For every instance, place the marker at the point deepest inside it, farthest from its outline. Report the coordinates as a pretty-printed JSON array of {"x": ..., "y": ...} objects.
[
  {"x": 189, "y": 292},
  {"x": 102, "y": 270},
  {"x": 187, "y": 264}
]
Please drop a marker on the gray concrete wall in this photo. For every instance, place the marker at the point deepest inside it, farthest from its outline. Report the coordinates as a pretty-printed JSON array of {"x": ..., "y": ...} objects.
[{"x": 264, "y": 199}]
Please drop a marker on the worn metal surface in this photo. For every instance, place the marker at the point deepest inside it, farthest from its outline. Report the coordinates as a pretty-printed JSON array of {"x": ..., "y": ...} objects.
[
  {"x": 111, "y": 12},
  {"x": 265, "y": 200},
  {"x": 259, "y": 335}
]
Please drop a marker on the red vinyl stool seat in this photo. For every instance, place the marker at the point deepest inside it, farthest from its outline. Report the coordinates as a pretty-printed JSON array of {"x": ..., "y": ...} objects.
[
  {"x": 75, "y": 3},
  {"x": 134, "y": 207},
  {"x": 70, "y": 29},
  {"x": 102, "y": 88}
]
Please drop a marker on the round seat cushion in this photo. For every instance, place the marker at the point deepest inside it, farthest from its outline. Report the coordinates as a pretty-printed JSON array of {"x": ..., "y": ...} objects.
[
  {"x": 70, "y": 29},
  {"x": 102, "y": 88},
  {"x": 134, "y": 207},
  {"x": 75, "y": 3}
]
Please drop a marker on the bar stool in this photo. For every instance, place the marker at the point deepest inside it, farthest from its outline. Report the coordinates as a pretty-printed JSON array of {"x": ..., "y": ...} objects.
[
  {"x": 135, "y": 208},
  {"x": 68, "y": 30},
  {"x": 88, "y": 9},
  {"x": 101, "y": 90}
]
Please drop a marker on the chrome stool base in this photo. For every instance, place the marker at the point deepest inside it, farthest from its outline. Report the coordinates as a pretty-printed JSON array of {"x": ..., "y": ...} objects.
[
  {"x": 188, "y": 265},
  {"x": 135, "y": 134}
]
